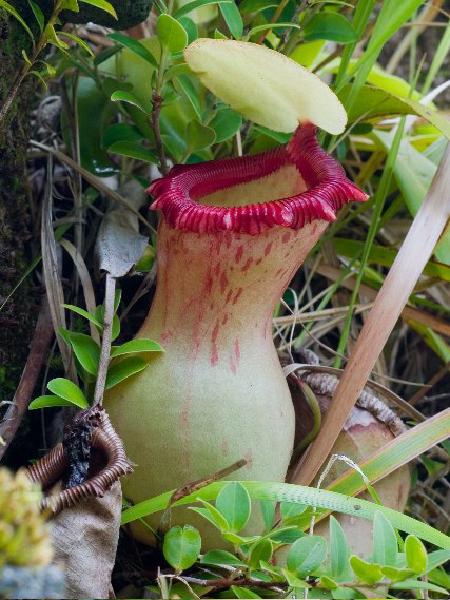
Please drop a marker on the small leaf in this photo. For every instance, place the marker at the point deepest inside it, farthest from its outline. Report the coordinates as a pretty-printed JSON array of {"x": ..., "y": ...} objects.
[
  {"x": 221, "y": 557},
  {"x": 85, "y": 314},
  {"x": 233, "y": 502},
  {"x": 268, "y": 512},
  {"x": 135, "y": 346},
  {"x": 365, "y": 571},
  {"x": 199, "y": 136},
  {"x": 68, "y": 391},
  {"x": 262, "y": 550},
  {"x": 181, "y": 546},
  {"x": 171, "y": 33},
  {"x": 226, "y": 123},
  {"x": 306, "y": 554},
  {"x": 122, "y": 96},
  {"x": 289, "y": 512},
  {"x": 38, "y": 14},
  {"x": 134, "y": 149},
  {"x": 86, "y": 351},
  {"x": 48, "y": 401},
  {"x": 339, "y": 552},
  {"x": 233, "y": 19},
  {"x": 396, "y": 574},
  {"x": 125, "y": 368},
  {"x": 134, "y": 46},
  {"x": 243, "y": 592},
  {"x": 103, "y": 4},
  {"x": 416, "y": 555},
  {"x": 385, "y": 545},
  {"x": 51, "y": 37},
  {"x": 211, "y": 514},
  {"x": 185, "y": 84},
  {"x": 78, "y": 41},
  {"x": 286, "y": 535},
  {"x": 327, "y": 583},
  {"x": 330, "y": 26}
]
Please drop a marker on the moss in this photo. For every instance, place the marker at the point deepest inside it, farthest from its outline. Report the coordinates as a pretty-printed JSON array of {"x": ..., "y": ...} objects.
[{"x": 18, "y": 316}]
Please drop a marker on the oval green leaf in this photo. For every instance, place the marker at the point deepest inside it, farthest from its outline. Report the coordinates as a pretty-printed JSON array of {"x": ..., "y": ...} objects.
[
  {"x": 306, "y": 554},
  {"x": 233, "y": 502},
  {"x": 68, "y": 391},
  {"x": 182, "y": 546}
]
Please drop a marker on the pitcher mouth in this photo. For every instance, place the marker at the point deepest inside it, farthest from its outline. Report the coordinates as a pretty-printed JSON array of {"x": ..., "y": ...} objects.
[{"x": 188, "y": 201}]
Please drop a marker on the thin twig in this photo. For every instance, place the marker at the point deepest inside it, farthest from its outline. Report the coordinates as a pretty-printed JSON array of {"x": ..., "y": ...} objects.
[
  {"x": 110, "y": 287},
  {"x": 156, "y": 110}
]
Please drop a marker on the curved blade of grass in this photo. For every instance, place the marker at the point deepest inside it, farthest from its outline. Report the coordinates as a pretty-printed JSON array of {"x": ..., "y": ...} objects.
[{"x": 297, "y": 494}]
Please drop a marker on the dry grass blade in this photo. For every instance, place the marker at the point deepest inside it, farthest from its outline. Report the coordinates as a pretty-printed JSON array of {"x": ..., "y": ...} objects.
[
  {"x": 418, "y": 246},
  {"x": 86, "y": 282},
  {"x": 50, "y": 269}
]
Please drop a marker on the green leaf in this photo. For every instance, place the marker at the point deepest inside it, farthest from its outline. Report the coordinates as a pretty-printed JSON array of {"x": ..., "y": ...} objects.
[
  {"x": 181, "y": 546},
  {"x": 306, "y": 554},
  {"x": 262, "y": 550},
  {"x": 339, "y": 552},
  {"x": 190, "y": 6},
  {"x": 103, "y": 4},
  {"x": 171, "y": 33},
  {"x": 68, "y": 391},
  {"x": 122, "y": 96},
  {"x": 120, "y": 132},
  {"x": 373, "y": 102},
  {"x": 330, "y": 26},
  {"x": 38, "y": 14},
  {"x": 135, "y": 346},
  {"x": 134, "y": 149},
  {"x": 416, "y": 555},
  {"x": 134, "y": 46},
  {"x": 327, "y": 583},
  {"x": 226, "y": 123},
  {"x": 243, "y": 592},
  {"x": 12, "y": 11},
  {"x": 268, "y": 513},
  {"x": 190, "y": 27},
  {"x": 233, "y": 19},
  {"x": 365, "y": 571},
  {"x": 78, "y": 41},
  {"x": 86, "y": 350},
  {"x": 286, "y": 535},
  {"x": 185, "y": 84},
  {"x": 199, "y": 136},
  {"x": 48, "y": 401},
  {"x": 84, "y": 313},
  {"x": 211, "y": 514},
  {"x": 233, "y": 502},
  {"x": 384, "y": 541},
  {"x": 396, "y": 574},
  {"x": 289, "y": 512},
  {"x": 221, "y": 557},
  {"x": 122, "y": 370}
]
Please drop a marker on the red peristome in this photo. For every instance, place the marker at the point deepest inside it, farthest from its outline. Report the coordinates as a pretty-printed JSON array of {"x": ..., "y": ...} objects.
[{"x": 328, "y": 189}]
